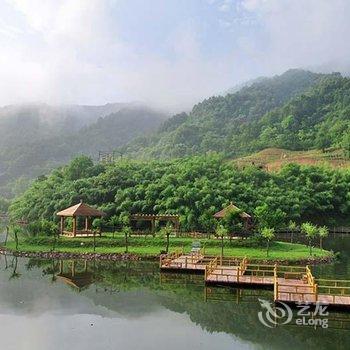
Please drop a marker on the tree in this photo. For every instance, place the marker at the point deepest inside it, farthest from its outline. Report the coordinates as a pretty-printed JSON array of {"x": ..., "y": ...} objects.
[
  {"x": 346, "y": 144},
  {"x": 310, "y": 231},
  {"x": 79, "y": 167},
  {"x": 166, "y": 231},
  {"x": 16, "y": 231},
  {"x": 292, "y": 226},
  {"x": 221, "y": 231},
  {"x": 126, "y": 230},
  {"x": 267, "y": 217},
  {"x": 268, "y": 234},
  {"x": 323, "y": 140},
  {"x": 323, "y": 233},
  {"x": 232, "y": 221}
]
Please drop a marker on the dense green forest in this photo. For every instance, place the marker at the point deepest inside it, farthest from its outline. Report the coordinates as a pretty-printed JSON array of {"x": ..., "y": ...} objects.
[
  {"x": 298, "y": 110},
  {"x": 195, "y": 188},
  {"x": 32, "y": 144}
]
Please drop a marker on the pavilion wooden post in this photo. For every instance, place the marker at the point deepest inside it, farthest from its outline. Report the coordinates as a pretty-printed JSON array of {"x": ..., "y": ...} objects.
[
  {"x": 74, "y": 226},
  {"x": 62, "y": 225},
  {"x": 176, "y": 226},
  {"x": 153, "y": 226},
  {"x": 86, "y": 223}
]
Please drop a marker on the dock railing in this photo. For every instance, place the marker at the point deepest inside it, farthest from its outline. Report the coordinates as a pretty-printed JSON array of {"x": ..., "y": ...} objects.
[
  {"x": 225, "y": 269},
  {"x": 333, "y": 288},
  {"x": 306, "y": 291},
  {"x": 166, "y": 259},
  {"x": 210, "y": 267},
  {"x": 243, "y": 265}
]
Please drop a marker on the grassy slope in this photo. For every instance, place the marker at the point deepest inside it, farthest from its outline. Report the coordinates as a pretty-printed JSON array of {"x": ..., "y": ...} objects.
[
  {"x": 279, "y": 250},
  {"x": 274, "y": 158}
]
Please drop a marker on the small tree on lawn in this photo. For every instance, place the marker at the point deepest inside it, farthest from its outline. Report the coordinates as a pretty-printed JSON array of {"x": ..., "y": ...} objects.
[
  {"x": 221, "y": 231},
  {"x": 126, "y": 230},
  {"x": 268, "y": 234},
  {"x": 310, "y": 231},
  {"x": 17, "y": 230},
  {"x": 323, "y": 233},
  {"x": 166, "y": 231},
  {"x": 292, "y": 226}
]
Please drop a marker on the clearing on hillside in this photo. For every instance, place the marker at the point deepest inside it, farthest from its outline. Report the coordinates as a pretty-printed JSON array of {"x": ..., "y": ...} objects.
[{"x": 273, "y": 159}]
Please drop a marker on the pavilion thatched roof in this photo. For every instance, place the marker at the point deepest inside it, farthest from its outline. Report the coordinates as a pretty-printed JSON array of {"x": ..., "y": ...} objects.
[
  {"x": 81, "y": 209},
  {"x": 221, "y": 214}
]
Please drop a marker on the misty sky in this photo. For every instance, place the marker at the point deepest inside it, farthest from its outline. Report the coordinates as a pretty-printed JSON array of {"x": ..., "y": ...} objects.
[{"x": 171, "y": 53}]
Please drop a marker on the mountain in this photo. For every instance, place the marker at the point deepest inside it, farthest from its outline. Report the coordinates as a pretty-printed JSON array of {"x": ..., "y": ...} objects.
[
  {"x": 39, "y": 142},
  {"x": 20, "y": 124},
  {"x": 234, "y": 124}
]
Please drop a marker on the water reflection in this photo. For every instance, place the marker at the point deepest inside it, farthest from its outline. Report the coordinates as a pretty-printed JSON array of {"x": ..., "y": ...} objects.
[{"x": 89, "y": 305}]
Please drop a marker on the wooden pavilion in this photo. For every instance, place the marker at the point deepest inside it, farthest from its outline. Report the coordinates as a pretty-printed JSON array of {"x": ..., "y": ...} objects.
[
  {"x": 79, "y": 210},
  {"x": 152, "y": 218},
  {"x": 246, "y": 218}
]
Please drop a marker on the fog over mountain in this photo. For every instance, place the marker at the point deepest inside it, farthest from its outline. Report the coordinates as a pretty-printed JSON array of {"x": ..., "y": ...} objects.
[
  {"x": 170, "y": 54},
  {"x": 36, "y": 138}
]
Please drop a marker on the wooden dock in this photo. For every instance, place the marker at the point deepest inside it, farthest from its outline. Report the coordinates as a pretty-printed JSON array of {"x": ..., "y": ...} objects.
[
  {"x": 291, "y": 284},
  {"x": 178, "y": 261}
]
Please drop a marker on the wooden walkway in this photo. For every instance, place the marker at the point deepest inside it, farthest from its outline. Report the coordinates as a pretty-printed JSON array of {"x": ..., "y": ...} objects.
[
  {"x": 178, "y": 261},
  {"x": 291, "y": 284}
]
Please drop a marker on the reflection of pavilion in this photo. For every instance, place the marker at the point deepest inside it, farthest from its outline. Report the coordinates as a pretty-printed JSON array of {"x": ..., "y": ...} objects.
[
  {"x": 74, "y": 276},
  {"x": 79, "y": 210}
]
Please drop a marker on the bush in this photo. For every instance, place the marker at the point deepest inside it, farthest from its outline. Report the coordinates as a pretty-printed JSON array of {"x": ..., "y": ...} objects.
[{"x": 42, "y": 227}]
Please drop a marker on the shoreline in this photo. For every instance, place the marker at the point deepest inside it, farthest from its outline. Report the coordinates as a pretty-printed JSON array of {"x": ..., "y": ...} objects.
[{"x": 138, "y": 257}]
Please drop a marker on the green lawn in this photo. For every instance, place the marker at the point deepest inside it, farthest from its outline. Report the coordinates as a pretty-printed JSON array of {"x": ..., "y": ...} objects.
[{"x": 279, "y": 250}]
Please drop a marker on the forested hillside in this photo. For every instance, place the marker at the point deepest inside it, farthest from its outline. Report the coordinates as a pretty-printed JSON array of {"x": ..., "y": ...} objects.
[
  {"x": 194, "y": 188},
  {"x": 36, "y": 145},
  {"x": 297, "y": 110}
]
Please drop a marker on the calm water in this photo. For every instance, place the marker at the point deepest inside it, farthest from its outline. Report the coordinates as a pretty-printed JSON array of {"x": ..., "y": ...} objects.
[{"x": 53, "y": 305}]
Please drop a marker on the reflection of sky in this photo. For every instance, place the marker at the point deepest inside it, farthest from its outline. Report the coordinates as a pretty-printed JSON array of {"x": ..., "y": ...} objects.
[
  {"x": 83, "y": 331},
  {"x": 37, "y": 314}
]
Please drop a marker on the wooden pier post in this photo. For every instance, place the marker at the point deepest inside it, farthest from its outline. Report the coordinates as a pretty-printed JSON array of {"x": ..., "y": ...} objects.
[{"x": 316, "y": 292}]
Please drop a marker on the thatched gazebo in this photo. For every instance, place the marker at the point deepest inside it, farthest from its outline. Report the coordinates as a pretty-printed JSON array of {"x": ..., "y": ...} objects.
[
  {"x": 79, "y": 210},
  {"x": 246, "y": 218}
]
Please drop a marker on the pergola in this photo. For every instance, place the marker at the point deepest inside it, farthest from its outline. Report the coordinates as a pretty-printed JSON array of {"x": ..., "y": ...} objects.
[
  {"x": 246, "y": 218},
  {"x": 79, "y": 210},
  {"x": 175, "y": 219}
]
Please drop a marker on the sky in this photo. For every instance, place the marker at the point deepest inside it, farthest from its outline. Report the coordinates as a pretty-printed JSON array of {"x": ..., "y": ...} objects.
[{"x": 168, "y": 53}]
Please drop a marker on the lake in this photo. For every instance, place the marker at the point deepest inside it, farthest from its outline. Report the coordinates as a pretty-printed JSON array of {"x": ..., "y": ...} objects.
[{"x": 131, "y": 305}]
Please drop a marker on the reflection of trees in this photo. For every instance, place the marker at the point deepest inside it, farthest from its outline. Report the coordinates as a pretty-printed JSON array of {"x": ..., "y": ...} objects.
[
  {"x": 14, "y": 265},
  {"x": 229, "y": 310}
]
